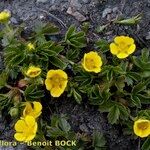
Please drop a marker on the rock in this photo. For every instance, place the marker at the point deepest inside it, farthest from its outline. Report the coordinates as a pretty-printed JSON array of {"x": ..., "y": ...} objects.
[
  {"x": 84, "y": 128},
  {"x": 76, "y": 14},
  {"x": 75, "y": 4},
  {"x": 41, "y": 1},
  {"x": 13, "y": 20},
  {"x": 85, "y": 1},
  {"x": 106, "y": 12},
  {"x": 148, "y": 36}
]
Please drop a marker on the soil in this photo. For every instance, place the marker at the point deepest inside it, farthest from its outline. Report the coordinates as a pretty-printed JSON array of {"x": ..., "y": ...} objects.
[{"x": 98, "y": 12}]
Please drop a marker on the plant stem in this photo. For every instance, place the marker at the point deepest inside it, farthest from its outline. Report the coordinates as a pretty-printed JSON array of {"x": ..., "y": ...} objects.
[{"x": 10, "y": 87}]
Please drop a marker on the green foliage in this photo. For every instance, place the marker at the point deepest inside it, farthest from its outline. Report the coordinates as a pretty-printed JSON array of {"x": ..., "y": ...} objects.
[
  {"x": 4, "y": 78},
  {"x": 4, "y": 101},
  {"x": 59, "y": 127},
  {"x": 143, "y": 63},
  {"x": 146, "y": 145},
  {"x": 103, "y": 45},
  {"x": 33, "y": 92},
  {"x": 74, "y": 38},
  {"x": 98, "y": 141}
]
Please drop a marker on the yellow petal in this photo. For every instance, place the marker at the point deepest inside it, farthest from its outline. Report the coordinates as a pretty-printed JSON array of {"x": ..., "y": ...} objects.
[
  {"x": 33, "y": 71},
  {"x": 52, "y": 73},
  {"x": 119, "y": 39},
  {"x": 37, "y": 106},
  {"x": 37, "y": 109},
  {"x": 122, "y": 55},
  {"x": 20, "y": 125},
  {"x": 35, "y": 128},
  {"x": 129, "y": 40},
  {"x": 131, "y": 49},
  {"x": 19, "y": 137},
  {"x": 97, "y": 70},
  {"x": 30, "y": 121},
  {"x": 62, "y": 74},
  {"x": 30, "y": 137},
  {"x": 28, "y": 109},
  {"x": 56, "y": 92},
  {"x": 114, "y": 49},
  {"x": 48, "y": 84}
]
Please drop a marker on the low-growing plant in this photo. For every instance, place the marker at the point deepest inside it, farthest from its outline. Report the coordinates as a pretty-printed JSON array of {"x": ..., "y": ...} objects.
[{"x": 108, "y": 76}]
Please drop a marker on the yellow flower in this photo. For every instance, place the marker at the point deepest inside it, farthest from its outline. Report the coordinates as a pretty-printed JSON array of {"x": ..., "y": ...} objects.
[
  {"x": 32, "y": 110},
  {"x": 33, "y": 71},
  {"x": 4, "y": 16},
  {"x": 142, "y": 127},
  {"x": 30, "y": 46},
  {"x": 122, "y": 47},
  {"x": 92, "y": 62},
  {"x": 56, "y": 82},
  {"x": 25, "y": 129}
]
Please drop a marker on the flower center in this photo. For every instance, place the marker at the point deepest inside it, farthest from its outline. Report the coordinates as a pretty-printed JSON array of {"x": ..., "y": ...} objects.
[
  {"x": 90, "y": 63},
  {"x": 57, "y": 80},
  {"x": 143, "y": 125},
  {"x": 123, "y": 46},
  {"x": 34, "y": 73}
]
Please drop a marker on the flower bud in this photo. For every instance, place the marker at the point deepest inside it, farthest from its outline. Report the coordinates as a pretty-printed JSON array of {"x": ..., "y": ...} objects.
[
  {"x": 22, "y": 83},
  {"x": 16, "y": 99},
  {"x": 4, "y": 16},
  {"x": 14, "y": 112}
]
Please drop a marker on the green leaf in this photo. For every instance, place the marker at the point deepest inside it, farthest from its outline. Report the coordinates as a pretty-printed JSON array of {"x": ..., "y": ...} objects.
[
  {"x": 54, "y": 132},
  {"x": 73, "y": 54},
  {"x": 138, "y": 88},
  {"x": 96, "y": 97},
  {"x": 57, "y": 62},
  {"x": 103, "y": 45},
  {"x": 70, "y": 31},
  {"x": 144, "y": 114},
  {"x": 134, "y": 75},
  {"x": 46, "y": 29},
  {"x": 136, "y": 101},
  {"x": 113, "y": 114},
  {"x": 77, "y": 96},
  {"x": 3, "y": 79},
  {"x": 4, "y": 101},
  {"x": 144, "y": 99},
  {"x": 145, "y": 55},
  {"x": 64, "y": 125},
  {"x": 32, "y": 92},
  {"x": 98, "y": 140},
  {"x": 74, "y": 38},
  {"x": 146, "y": 145}
]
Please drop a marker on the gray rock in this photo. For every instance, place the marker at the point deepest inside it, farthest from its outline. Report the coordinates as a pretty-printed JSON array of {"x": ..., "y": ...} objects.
[
  {"x": 41, "y": 1},
  {"x": 106, "y": 12}
]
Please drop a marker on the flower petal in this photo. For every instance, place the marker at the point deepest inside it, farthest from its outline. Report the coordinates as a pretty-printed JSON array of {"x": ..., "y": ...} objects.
[
  {"x": 122, "y": 55},
  {"x": 56, "y": 91},
  {"x": 19, "y": 137},
  {"x": 131, "y": 49},
  {"x": 30, "y": 121},
  {"x": 119, "y": 39},
  {"x": 62, "y": 74},
  {"x": 30, "y": 137},
  {"x": 114, "y": 49},
  {"x": 129, "y": 40},
  {"x": 20, "y": 126},
  {"x": 48, "y": 84},
  {"x": 28, "y": 109},
  {"x": 37, "y": 109}
]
